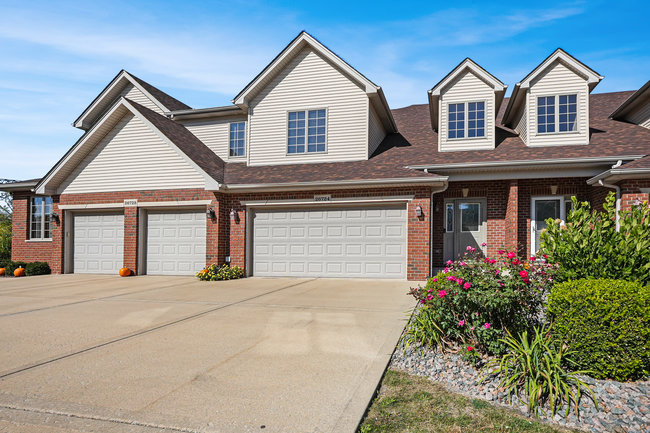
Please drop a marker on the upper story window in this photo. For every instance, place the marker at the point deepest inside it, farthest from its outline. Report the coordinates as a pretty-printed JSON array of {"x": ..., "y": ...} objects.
[
  {"x": 557, "y": 113},
  {"x": 466, "y": 120},
  {"x": 307, "y": 131},
  {"x": 40, "y": 218},
  {"x": 238, "y": 139}
]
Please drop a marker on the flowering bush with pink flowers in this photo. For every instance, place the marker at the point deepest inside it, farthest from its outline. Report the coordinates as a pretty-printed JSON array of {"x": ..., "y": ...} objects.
[{"x": 475, "y": 299}]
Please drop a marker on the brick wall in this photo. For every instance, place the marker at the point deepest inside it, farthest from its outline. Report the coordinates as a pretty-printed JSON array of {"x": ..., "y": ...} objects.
[
  {"x": 631, "y": 192},
  {"x": 418, "y": 228}
]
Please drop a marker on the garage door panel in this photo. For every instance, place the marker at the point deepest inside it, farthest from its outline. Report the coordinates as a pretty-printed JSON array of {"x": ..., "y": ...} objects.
[
  {"x": 176, "y": 242},
  {"x": 337, "y": 242},
  {"x": 98, "y": 243}
]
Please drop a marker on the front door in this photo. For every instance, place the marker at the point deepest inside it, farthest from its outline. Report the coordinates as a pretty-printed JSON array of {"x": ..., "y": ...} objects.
[
  {"x": 544, "y": 208},
  {"x": 465, "y": 225}
]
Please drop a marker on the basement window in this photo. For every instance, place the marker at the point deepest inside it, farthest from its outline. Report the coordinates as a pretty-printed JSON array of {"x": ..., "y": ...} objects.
[{"x": 40, "y": 218}]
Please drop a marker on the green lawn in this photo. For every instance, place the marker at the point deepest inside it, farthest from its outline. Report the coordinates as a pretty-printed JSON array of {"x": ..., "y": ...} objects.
[{"x": 408, "y": 403}]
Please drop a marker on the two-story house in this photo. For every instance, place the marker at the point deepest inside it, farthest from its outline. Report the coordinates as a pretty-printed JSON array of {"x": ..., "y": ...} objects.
[{"x": 310, "y": 173}]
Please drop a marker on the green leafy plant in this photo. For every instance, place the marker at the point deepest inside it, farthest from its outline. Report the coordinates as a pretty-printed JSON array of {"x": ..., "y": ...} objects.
[
  {"x": 535, "y": 371},
  {"x": 5, "y": 238},
  {"x": 606, "y": 323},
  {"x": 475, "y": 299},
  {"x": 11, "y": 266},
  {"x": 423, "y": 330},
  {"x": 37, "y": 268},
  {"x": 215, "y": 272},
  {"x": 589, "y": 246}
]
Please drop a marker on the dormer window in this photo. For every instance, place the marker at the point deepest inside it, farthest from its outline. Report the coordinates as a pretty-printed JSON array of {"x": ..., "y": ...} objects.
[
  {"x": 313, "y": 132},
  {"x": 557, "y": 113},
  {"x": 466, "y": 120}
]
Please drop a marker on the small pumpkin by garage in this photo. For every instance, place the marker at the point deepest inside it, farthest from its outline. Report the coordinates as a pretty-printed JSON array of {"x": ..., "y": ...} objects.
[
  {"x": 125, "y": 272},
  {"x": 2, "y": 272},
  {"x": 19, "y": 272}
]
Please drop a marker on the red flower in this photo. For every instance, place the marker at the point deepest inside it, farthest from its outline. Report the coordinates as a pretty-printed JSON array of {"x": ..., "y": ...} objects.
[
  {"x": 470, "y": 348},
  {"x": 523, "y": 274}
]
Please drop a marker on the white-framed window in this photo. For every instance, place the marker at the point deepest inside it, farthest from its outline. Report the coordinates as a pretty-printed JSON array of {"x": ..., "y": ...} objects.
[
  {"x": 40, "y": 218},
  {"x": 470, "y": 217},
  {"x": 557, "y": 113},
  {"x": 238, "y": 139},
  {"x": 449, "y": 217},
  {"x": 466, "y": 120},
  {"x": 307, "y": 131}
]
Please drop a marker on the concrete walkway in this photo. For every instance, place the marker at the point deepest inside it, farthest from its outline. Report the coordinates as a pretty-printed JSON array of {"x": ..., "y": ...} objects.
[{"x": 148, "y": 354}]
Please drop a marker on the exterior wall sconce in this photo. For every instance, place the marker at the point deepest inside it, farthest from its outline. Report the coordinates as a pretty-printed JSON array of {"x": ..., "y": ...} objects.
[
  {"x": 418, "y": 211},
  {"x": 55, "y": 216},
  {"x": 465, "y": 192},
  {"x": 234, "y": 216},
  {"x": 211, "y": 214},
  {"x": 553, "y": 189}
]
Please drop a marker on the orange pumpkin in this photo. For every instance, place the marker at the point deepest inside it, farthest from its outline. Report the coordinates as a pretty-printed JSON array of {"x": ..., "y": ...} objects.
[
  {"x": 19, "y": 272},
  {"x": 125, "y": 272},
  {"x": 2, "y": 272}
]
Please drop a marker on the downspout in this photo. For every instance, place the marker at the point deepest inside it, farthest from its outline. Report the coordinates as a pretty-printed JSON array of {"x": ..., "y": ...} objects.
[
  {"x": 618, "y": 195},
  {"x": 431, "y": 208}
]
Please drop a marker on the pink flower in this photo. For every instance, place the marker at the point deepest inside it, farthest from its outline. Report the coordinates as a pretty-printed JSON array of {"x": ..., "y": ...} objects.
[
  {"x": 470, "y": 348},
  {"x": 442, "y": 294},
  {"x": 477, "y": 314},
  {"x": 449, "y": 263},
  {"x": 471, "y": 249},
  {"x": 487, "y": 326},
  {"x": 434, "y": 279},
  {"x": 451, "y": 278},
  {"x": 463, "y": 264},
  {"x": 523, "y": 274},
  {"x": 467, "y": 285},
  {"x": 511, "y": 255},
  {"x": 445, "y": 271},
  {"x": 459, "y": 281},
  {"x": 430, "y": 290},
  {"x": 472, "y": 328},
  {"x": 492, "y": 261},
  {"x": 532, "y": 258},
  {"x": 430, "y": 297},
  {"x": 500, "y": 252},
  {"x": 461, "y": 322},
  {"x": 484, "y": 244}
]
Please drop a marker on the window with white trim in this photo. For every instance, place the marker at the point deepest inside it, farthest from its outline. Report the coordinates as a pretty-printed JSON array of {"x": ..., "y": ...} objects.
[
  {"x": 557, "y": 114},
  {"x": 466, "y": 120},
  {"x": 40, "y": 218},
  {"x": 237, "y": 139},
  {"x": 307, "y": 131}
]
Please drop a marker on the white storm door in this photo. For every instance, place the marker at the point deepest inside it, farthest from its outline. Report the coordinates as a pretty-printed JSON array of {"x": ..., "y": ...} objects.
[
  {"x": 98, "y": 243},
  {"x": 355, "y": 242},
  {"x": 543, "y": 208},
  {"x": 176, "y": 242}
]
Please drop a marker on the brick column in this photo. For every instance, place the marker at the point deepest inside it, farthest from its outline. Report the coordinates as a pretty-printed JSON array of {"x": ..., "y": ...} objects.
[
  {"x": 512, "y": 215},
  {"x": 419, "y": 237},
  {"x": 631, "y": 192},
  {"x": 131, "y": 238},
  {"x": 213, "y": 242}
]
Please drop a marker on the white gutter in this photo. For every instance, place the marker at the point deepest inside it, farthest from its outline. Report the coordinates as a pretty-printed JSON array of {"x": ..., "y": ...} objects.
[
  {"x": 332, "y": 184},
  {"x": 526, "y": 162}
]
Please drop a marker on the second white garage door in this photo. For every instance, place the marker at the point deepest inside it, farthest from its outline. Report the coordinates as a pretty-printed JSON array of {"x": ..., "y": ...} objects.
[
  {"x": 98, "y": 243},
  {"x": 330, "y": 242},
  {"x": 175, "y": 242}
]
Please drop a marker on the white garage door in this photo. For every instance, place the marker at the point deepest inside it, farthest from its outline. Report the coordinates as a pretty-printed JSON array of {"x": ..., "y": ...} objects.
[
  {"x": 331, "y": 242},
  {"x": 175, "y": 242},
  {"x": 98, "y": 243}
]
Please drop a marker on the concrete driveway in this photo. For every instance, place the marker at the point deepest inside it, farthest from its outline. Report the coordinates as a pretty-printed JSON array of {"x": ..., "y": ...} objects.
[{"x": 149, "y": 354}]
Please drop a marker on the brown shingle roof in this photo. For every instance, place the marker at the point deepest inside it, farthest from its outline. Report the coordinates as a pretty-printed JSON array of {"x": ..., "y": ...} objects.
[
  {"x": 168, "y": 101},
  {"x": 639, "y": 163},
  {"x": 187, "y": 142}
]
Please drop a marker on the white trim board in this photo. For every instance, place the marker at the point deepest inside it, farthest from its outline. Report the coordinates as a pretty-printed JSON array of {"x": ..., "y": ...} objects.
[{"x": 336, "y": 201}]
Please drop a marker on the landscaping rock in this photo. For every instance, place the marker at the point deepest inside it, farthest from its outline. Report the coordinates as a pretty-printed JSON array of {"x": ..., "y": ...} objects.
[{"x": 623, "y": 407}]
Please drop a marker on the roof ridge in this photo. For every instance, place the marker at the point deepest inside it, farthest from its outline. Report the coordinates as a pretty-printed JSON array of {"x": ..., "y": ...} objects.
[{"x": 166, "y": 99}]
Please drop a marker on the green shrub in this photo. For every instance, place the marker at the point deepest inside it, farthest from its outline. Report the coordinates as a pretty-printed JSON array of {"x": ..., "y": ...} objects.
[
  {"x": 37, "y": 268},
  {"x": 589, "y": 246},
  {"x": 5, "y": 239},
  {"x": 11, "y": 266},
  {"x": 534, "y": 371},
  {"x": 224, "y": 272},
  {"x": 606, "y": 323},
  {"x": 474, "y": 300}
]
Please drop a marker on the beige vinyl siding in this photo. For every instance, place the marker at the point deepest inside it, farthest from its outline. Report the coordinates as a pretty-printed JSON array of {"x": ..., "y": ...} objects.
[
  {"x": 641, "y": 116},
  {"x": 215, "y": 133},
  {"x": 467, "y": 87},
  {"x": 131, "y": 157},
  {"x": 134, "y": 94},
  {"x": 558, "y": 79},
  {"x": 376, "y": 132},
  {"x": 521, "y": 125},
  {"x": 309, "y": 82}
]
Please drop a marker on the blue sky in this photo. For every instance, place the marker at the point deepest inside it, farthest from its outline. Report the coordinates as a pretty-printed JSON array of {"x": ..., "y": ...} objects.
[{"x": 55, "y": 57}]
